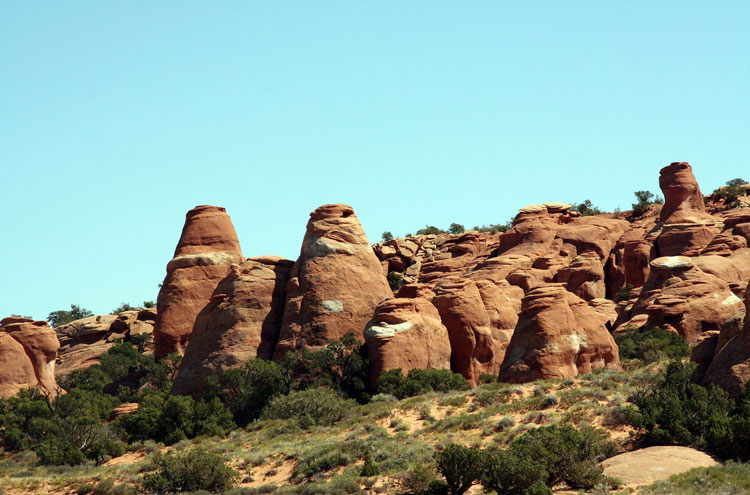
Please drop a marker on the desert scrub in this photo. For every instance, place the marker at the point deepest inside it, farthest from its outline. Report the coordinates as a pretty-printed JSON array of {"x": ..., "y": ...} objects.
[
  {"x": 419, "y": 381},
  {"x": 324, "y": 457},
  {"x": 731, "y": 478},
  {"x": 569, "y": 398},
  {"x": 651, "y": 345},
  {"x": 454, "y": 401},
  {"x": 487, "y": 395},
  {"x": 193, "y": 470},
  {"x": 398, "y": 425},
  {"x": 461, "y": 421},
  {"x": 317, "y": 406}
]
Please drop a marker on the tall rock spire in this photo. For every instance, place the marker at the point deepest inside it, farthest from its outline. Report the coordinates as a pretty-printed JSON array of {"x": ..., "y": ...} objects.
[
  {"x": 335, "y": 284},
  {"x": 207, "y": 249}
]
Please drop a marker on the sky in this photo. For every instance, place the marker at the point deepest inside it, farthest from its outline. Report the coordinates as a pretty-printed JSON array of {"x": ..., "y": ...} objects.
[{"x": 116, "y": 118}]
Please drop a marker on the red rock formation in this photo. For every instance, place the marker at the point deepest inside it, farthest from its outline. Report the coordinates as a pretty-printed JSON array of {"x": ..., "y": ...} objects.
[
  {"x": 335, "y": 284},
  {"x": 83, "y": 341},
  {"x": 557, "y": 336},
  {"x": 584, "y": 276},
  {"x": 407, "y": 334},
  {"x": 241, "y": 322},
  {"x": 683, "y": 201},
  {"x": 687, "y": 228},
  {"x": 208, "y": 247},
  {"x": 730, "y": 366},
  {"x": 480, "y": 319},
  {"x": 680, "y": 297},
  {"x": 28, "y": 350}
]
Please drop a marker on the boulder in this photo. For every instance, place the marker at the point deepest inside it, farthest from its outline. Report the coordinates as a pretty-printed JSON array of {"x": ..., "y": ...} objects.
[
  {"x": 28, "y": 350},
  {"x": 558, "y": 335},
  {"x": 652, "y": 464},
  {"x": 480, "y": 319},
  {"x": 406, "y": 333},
  {"x": 241, "y": 323},
  {"x": 335, "y": 284},
  {"x": 207, "y": 248},
  {"x": 83, "y": 341}
]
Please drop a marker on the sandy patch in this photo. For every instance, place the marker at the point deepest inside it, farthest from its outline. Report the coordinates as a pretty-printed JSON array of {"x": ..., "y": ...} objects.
[{"x": 126, "y": 458}]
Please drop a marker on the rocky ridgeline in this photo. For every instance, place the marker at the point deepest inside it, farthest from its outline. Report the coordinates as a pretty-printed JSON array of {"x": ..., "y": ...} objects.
[{"x": 540, "y": 300}]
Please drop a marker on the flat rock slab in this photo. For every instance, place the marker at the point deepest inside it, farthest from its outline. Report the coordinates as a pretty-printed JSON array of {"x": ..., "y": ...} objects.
[{"x": 645, "y": 466}]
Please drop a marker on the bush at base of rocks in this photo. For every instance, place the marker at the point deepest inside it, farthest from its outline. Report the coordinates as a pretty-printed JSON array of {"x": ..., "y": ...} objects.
[
  {"x": 313, "y": 407},
  {"x": 652, "y": 345},
  {"x": 418, "y": 382}
]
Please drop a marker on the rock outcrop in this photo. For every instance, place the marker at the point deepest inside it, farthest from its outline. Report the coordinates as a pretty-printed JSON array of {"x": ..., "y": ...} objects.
[
  {"x": 208, "y": 247},
  {"x": 557, "y": 336},
  {"x": 680, "y": 297},
  {"x": 480, "y": 319},
  {"x": 83, "y": 341},
  {"x": 335, "y": 284},
  {"x": 241, "y": 322},
  {"x": 28, "y": 350},
  {"x": 406, "y": 333},
  {"x": 730, "y": 366},
  {"x": 535, "y": 301}
]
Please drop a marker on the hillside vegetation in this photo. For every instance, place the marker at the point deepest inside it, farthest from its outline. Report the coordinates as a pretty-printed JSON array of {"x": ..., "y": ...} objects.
[{"x": 304, "y": 432}]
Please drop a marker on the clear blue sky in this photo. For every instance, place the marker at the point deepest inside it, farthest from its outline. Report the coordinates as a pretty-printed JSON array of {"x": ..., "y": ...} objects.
[{"x": 118, "y": 117}]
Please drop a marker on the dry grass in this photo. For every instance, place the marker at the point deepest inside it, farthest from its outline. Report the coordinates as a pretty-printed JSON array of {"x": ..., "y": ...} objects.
[{"x": 397, "y": 434}]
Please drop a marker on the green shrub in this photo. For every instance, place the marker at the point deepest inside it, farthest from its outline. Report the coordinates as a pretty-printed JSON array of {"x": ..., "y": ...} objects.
[
  {"x": 456, "y": 228},
  {"x": 386, "y": 236},
  {"x": 624, "y": 293},
  {"x": 565, "y": 453},
  {"x": 676, "y": 411},
  {"x": 177, "y": 418},
  {"x": 56, "y": 451},
  {"x": 508, "y": 474},
  {"x": 341, "y": 365},
  {"x": 61, "y": 317},
  {"x": 430, "y": 229},
  {"x": 369, "y": 468},
  {"x": 732, "y": 191},
  {"x": 247, "y": 390},
  {"x": 318, "y": 406},
  {"x": 122, "y": 307},
  {"x": 326, "y": 457},
  {"x": 645, "y": 199},
  {"x": 460, "y": 466},
  {"x": 192, "y": 470},
  {"x": 395, "y": 280},
  {"x": 416, "y": 480},
  {"x": 651, "y": 345},
  {"x": 586, "y": 208},
  {"x": 485, "y": 378},
  {"x": 419, "y": 381}
]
